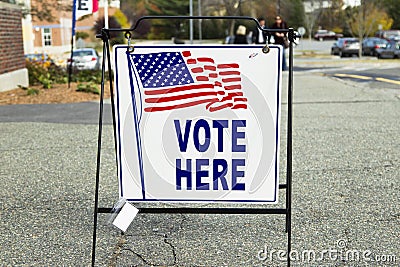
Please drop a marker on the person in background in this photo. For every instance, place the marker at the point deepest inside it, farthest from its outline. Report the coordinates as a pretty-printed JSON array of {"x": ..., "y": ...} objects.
[
  {"x": 240, "y": 36},
  {"x": 259, "y": 37},
  {"x": 279, "y": 37}
]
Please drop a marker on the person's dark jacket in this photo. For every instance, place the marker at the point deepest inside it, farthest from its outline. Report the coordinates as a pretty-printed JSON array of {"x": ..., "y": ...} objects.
[
  {"x": 279, "y": 40},
  {"x": 255, "y": 36},
  {"x": 240, "y": 39}
]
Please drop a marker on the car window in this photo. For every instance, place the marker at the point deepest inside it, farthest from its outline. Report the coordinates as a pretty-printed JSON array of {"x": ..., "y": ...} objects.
[{"x": 83, "y": 53}]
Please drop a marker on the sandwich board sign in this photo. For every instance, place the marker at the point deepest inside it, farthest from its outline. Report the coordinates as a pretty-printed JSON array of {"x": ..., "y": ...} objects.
[{"x": 198, "y": 123}]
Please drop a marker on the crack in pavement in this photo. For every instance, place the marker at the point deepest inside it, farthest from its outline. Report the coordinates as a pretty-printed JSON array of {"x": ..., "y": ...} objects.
[{"x": 166, "y": 239}]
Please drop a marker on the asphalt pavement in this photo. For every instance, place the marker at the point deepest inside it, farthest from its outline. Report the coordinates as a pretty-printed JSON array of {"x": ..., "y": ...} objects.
[{"x": 346, "y": 169}]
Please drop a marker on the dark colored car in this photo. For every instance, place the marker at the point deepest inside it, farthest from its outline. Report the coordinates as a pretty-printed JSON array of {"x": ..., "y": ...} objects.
[
  {"x": 392, "y": 50},
  {"x": 346, "y": 47},
  {"x": 322, "y": 35},
  {"x": 370, "y": 45}
]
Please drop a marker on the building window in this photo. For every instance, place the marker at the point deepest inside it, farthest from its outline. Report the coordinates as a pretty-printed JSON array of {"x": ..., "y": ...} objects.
[{"x": 47, "y": 37}]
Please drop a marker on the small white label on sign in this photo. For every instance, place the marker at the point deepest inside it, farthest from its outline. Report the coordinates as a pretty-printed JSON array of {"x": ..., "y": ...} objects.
[{"x": 125, "y": 216}]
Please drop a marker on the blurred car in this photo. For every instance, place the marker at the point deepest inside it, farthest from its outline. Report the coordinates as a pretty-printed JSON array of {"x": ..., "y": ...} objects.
[
  {"x": 392, "y": 50},
  {"x": 371, "y": 44},
  {"x": 41, "y": 58},
  {"x": 322, "y": 35},
  {"x": 346, "y": 47},
  {"x": 85, "y": 59},
  {"x": 388, "y": 34},
  {"x": 394, "y": 38}
]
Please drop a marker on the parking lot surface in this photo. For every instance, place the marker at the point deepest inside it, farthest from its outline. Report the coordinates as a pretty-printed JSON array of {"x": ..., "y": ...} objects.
[{"x": 346, "y": 162}]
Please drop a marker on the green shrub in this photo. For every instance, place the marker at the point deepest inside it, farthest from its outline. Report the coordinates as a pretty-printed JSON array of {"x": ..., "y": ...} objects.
[
  {"x": 29, "y": 91},
  {"x": 86, "y": 76},
  {"x": 32, "y": 91},
  {"x": 45, "y": 74},
  {"x": 45, "y": 80},
  {"x": 89, "y": 87},
  {"x": 82, "y": 35}
]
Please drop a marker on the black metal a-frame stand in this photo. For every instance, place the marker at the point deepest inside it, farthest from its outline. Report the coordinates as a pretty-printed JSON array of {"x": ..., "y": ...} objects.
[{"x": 287, "y": 211}]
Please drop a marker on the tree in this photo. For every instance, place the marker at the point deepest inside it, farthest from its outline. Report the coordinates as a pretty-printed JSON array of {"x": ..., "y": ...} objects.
[
  {"x": 312, "y": 14},
  {"x": 392, "y": 8},
  {"x": 121, "y": 19},
  {"x": 293, "y": 13},
  {"x": 43, "y": 10},
  {"x": 134, "y": 10},
  {"x": 116, "y": 37},
  {"x": 172, "y": 28},
  {"x": 332, "y": 18},
  {"x": 365, "y": 19}
]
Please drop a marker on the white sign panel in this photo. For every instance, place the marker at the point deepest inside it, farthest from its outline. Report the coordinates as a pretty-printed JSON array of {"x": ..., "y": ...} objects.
[{"x": 198, "y": 123}]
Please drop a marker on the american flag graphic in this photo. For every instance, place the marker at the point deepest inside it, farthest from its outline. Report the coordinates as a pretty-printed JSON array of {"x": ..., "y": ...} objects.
[{"x": 175, "y": 80}]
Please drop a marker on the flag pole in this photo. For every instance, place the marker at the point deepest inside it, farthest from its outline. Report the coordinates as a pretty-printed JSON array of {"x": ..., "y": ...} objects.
[
  {"x": 72, "y": 42},
  {"x": 105, "y": 3}
]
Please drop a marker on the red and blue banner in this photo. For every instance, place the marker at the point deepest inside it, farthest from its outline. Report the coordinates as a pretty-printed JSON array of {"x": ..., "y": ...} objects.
[{"x": 82, "y": 8}]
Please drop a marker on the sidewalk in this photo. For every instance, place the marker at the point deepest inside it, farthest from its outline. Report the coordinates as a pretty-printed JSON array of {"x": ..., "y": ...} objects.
[{"x": 345, "y": 192}]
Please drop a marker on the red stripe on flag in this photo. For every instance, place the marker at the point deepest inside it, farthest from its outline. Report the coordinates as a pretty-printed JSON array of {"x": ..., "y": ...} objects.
[
  {"x": 185, "y": 105},
  {"x": 226, "y": 105},
  {"x": 213, "y": 75},
  {"x": 230, "y": 96},
  {"x": 179, "y": 89},
  {"x": 197, "y": 70},
  {"x": 240, "y": 99},
  {"x": 209, "y": 67},
  {"x": 227, "y": 66},
  {"x": 205, "y": 59},
  {"x": 229, "y": 72},
  {"x": 186, "y": 53},
  {"x": 179, "y": 97},
  {"x": 236, "y": 94},
  {"x": 191, "y": 61},
  {"x": 202, "y": 78},
  {"x": 238, "y": 106},
  {"x": 232, "y": 87},
  {"x": 227, "y": 80}
]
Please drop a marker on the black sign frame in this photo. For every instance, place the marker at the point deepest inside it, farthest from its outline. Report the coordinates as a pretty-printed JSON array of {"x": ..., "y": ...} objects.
[{"x": 287, "y": 211}]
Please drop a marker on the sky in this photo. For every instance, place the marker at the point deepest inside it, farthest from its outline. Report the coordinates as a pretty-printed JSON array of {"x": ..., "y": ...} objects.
[{"x": 351, "y": 2}]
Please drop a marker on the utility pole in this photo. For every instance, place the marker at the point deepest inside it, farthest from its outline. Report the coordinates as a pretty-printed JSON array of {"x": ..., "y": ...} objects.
[
  {"x": 279, "y": 8},
  {"x": 191, "y": 21},
  {"x": 200, "y": 21}
]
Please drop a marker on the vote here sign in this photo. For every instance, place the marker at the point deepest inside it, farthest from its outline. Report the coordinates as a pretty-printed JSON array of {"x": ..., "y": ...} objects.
[{"x": 198, "y": 123}]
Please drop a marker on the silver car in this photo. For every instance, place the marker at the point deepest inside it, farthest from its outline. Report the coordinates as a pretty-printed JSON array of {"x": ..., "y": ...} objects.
[
  {"x": 392, "y": 50},
  {"x": 85, "y": 59},
  {"x": 346, "y": 47}
]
